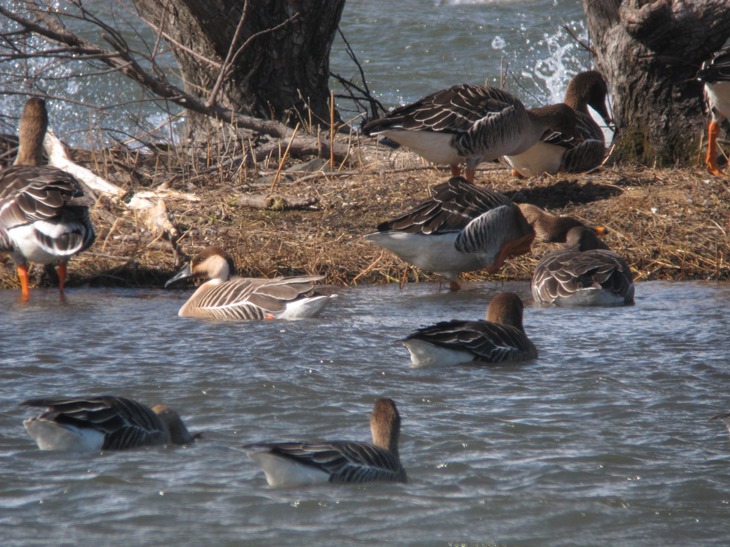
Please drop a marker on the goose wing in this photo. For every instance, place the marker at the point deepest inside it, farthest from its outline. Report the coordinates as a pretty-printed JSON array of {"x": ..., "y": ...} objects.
[
  {"x": 453, "y": 205},
  {"x": 488, "y": 342},
  {"x": 52, "y": 201},
  {"x": 452, "y": 110},
  {"x": 343, "y": 461},
  {"x": 718, "y": 68},
  {"x": 124, "y": 423},
  {"x": 564, "y": 273}
]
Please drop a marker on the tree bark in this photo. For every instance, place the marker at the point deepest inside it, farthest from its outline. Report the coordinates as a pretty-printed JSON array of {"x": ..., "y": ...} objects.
[
  {"x": 282, "y": 69},
  {"x": 650, "y": 52}
]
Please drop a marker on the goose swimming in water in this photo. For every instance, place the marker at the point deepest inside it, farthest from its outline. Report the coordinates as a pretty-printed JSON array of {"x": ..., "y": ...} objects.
[
  {"x": 304, "y": 463},
  {"x": 226, "y": 296},
  {"x": 554, "y": 152},
  {"x": 44, "y": 215},
  {"x": 501, "y": 338},
  {"x": 470, "y": 124},
  {"x": 103, "y": 423},
  {"x": 584, "y": 273}
]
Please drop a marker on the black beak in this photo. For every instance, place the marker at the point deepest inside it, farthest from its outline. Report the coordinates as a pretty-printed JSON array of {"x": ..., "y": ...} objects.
[{"x": 182, "y": 274}]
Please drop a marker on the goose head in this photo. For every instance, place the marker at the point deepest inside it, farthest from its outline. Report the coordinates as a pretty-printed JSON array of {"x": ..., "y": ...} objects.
[
  {"x": 179, "y": 434},
  {"x": 506, "y": 309},
  {"x": 385, "y": 425},
  {"x": 212, "y": 263},
  {"x": 588, "y": 89},
  {"x": 552, "y": 228},
  {"x": 581, "y": 238}
]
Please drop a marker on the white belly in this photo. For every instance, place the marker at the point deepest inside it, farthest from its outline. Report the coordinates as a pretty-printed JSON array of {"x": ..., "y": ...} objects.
[
  {"x": 285, "y": 472},
  {"x": 431, "y": 145},
  {"x": 424, "y": 354},
  {"x": 433, "y": 253},
  {"x": 50, "y": 435},
  {"x": 541, "y": 158},
  {"x": 718, "y": 95}
]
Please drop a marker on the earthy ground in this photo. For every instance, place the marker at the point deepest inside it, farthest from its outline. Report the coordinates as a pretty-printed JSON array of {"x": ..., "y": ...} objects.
[{"x": 668, "y": 224}]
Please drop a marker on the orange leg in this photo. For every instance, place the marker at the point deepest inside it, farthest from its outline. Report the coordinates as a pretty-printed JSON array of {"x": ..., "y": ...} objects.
[
  {"x": 711, "y": 159},
  {"x": 23, "y": 276},
  {"x": 61, "y": 271},
  {"x": 470, "y": 175},
  {"x": 455, "y": 171}
]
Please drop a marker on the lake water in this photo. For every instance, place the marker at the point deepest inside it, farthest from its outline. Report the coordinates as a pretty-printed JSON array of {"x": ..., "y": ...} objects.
[
  {"x": 406, "y": 53},
  {"x": 605, "y": 439}
]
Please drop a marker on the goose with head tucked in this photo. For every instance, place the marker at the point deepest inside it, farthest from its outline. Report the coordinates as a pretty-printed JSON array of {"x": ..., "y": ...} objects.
[
  {"x": 103, "y": 423},
  {"x": 554, "y": 152},
  {"x": 44, "y": 214},
  {"x": 715, "y": 74},
  {"x": 470, "y": 124},
  {"x": 305, "y": 463},
  {"x": 501, "y": 338},
  {"x": 584, "y": 273},
  {"x": 462, "y": 228},
  {"x": 226, "y": 296}
]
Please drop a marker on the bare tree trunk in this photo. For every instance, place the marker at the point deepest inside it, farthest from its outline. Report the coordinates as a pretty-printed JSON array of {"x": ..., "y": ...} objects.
[
  {"x": 278, "y": 59},
  {"x": 650, "y": 53}
]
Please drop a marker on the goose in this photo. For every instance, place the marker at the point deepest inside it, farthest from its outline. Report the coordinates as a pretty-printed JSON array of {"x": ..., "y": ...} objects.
[
  {"x": 44, "y": 215},
  {"x": 584, "y": 273},
  {"x": 554, "y": 152},
  {"x": 501, "y": 338},
  {"x": 470, "y": 124},
  {"x": 226, "y": 296},
  {"x": 715, "y": 74},
  {"x": 305, "y": 463},
  {"x": 724, "y": 417},
  {"x": 461, "y": 228},
  {"x": 86, "y": 424}
]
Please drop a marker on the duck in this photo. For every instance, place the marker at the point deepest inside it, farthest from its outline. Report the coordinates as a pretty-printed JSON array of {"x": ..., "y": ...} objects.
[
  {"x": 554, "y": 152},
  {"x": 44, "y": 212},
  {"x": 585, "y": 273},
  {"x": 470, "y": 124},
  {"x": 501, "y": 338},
  {"x": 715, "y": 74},
  {"x": 307, "y": 463},
  {"x": 461, "y": 228},
  {"x": 107, "y": 422},
  {"x": 223, "y": 295}
]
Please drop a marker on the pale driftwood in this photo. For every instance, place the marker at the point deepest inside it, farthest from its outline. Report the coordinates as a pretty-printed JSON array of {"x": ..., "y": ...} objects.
[
  {"x": 153, "y": 214},
  {"x": 276, "y": 203},
  {"x": 58, "y": 157}
]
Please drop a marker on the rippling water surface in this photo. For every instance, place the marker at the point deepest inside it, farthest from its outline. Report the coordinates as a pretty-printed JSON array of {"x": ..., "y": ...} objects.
[{"x": 603, "y": 440}]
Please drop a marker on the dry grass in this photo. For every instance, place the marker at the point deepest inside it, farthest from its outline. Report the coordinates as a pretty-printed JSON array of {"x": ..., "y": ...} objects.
[{"x": 669, "y": 224}]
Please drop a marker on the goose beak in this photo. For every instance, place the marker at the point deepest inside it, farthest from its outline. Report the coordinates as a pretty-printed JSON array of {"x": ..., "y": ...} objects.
[
  {"x": 600, "y": 230},
  {"x": 185, "y": 273}
]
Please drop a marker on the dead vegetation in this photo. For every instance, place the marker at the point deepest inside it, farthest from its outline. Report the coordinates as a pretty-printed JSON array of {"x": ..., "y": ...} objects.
[{"x": 670, "y": 224}]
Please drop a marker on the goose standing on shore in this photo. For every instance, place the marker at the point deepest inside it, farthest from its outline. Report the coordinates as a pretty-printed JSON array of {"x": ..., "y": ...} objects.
[
  {"x": 304, "y": 463},
  {"x": 715, "y": 74},
  {"x": 499, "y": 339},
  {"x": 554, "y": 152},
  {"x": 44, "y": 215},
  {"x": 462, "y": 228},
  {"x": 226, "y": 296},
  {"x": 470, "y": 124},
  {"x": 103, "y": 423},
  {"x": 584, "y": 273}
]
